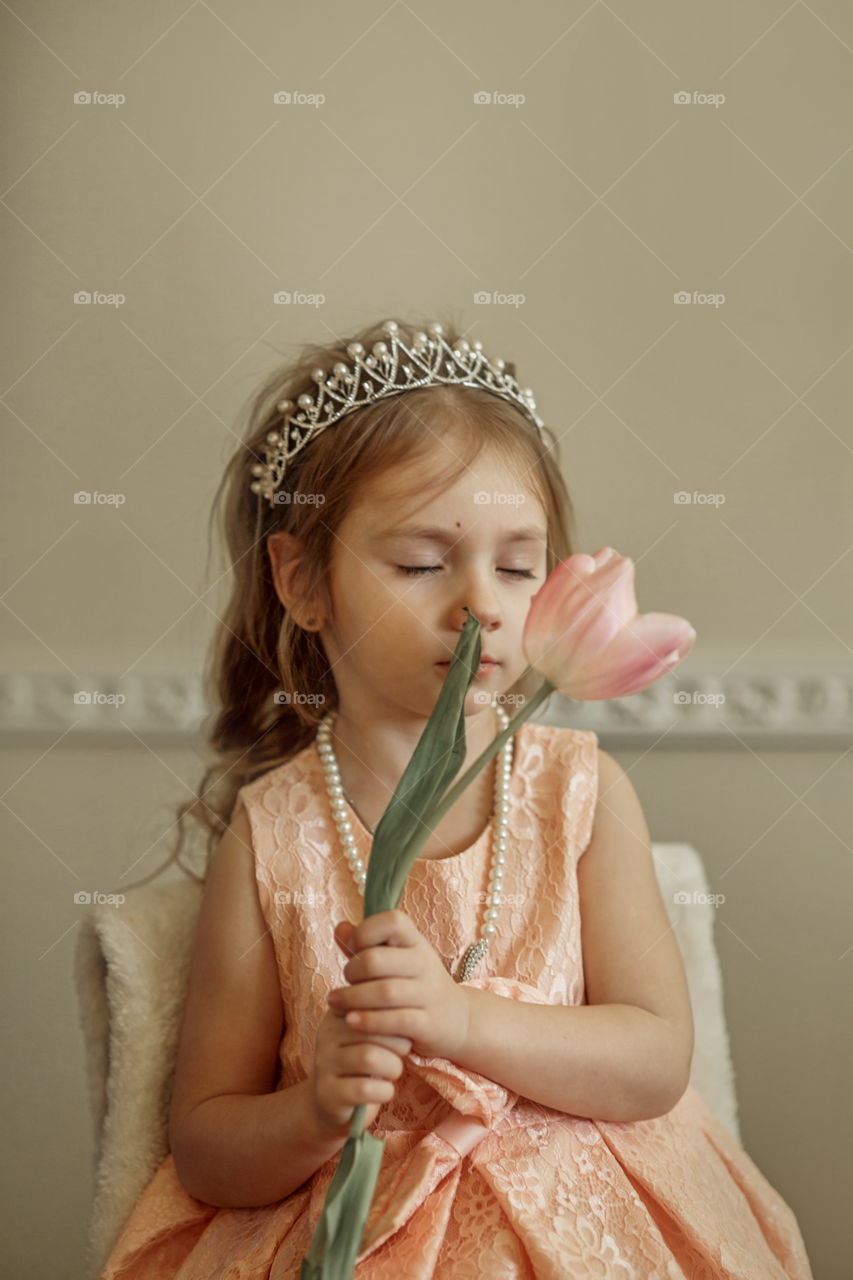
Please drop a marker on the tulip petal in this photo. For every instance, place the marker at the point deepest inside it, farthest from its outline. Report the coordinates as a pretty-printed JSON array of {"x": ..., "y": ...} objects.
[
  {"x": 610, "y": 606},
  {"x": 580, "y": 607},
  {"x": 645, "y": 650},
  {"x": 584, "y": 635}
]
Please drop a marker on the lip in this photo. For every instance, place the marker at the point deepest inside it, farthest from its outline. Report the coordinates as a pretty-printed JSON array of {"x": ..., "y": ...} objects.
[{"x": 484, "y": 662}]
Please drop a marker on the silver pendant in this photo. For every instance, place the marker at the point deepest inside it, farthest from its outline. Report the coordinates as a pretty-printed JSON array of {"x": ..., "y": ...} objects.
[{"x": 471, "y": 959}]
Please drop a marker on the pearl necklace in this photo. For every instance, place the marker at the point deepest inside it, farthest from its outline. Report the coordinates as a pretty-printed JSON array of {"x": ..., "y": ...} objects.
[{"x": 503, "y": 773}]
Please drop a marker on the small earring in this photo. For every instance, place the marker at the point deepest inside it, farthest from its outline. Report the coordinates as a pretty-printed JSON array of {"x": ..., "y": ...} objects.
[{"x": 309, "y": 622}]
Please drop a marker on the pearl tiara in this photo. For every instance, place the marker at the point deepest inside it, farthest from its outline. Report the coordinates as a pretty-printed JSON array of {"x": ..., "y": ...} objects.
[{"x": 391, "y": 369}]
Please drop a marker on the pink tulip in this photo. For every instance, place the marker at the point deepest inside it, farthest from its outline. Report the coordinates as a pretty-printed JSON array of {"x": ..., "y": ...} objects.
[{"x": 584, "y": 635}]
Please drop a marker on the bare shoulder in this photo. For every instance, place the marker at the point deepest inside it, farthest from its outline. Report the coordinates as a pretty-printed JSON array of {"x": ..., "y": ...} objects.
[
  {"x": 233, "y": 1019},
  {"x": 630, "y": 951}
]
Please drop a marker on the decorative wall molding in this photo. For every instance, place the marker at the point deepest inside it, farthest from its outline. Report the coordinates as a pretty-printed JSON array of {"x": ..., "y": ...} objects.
[{"x": 801, "y": 705}]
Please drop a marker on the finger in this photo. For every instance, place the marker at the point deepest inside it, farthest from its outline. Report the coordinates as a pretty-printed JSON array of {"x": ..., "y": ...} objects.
[
  {"x": 392, "y": 928},
  {"x": 379, "y": 1061},
  {"x": 343, "y": 934},
  {"x": 401, "y": 1022},
  {"x": 401, "y": 1045},
  {"x": 381, "y": 962},
  {"x": 381, "y": 993}
]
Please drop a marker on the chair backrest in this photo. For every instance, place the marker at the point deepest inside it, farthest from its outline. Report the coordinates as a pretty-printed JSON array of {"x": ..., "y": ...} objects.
[
  {"x": 131, "y": 967},
  {"x": 131, "y": 970},
  {"x": 692, "y": 912}
]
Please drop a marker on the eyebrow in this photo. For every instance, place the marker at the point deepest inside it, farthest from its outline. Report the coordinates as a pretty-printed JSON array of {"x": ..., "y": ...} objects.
[{"x": 527, "y": 533}]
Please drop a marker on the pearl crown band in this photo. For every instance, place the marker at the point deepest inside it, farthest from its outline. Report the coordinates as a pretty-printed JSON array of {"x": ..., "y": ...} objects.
[{"x": 391, "y": 369}]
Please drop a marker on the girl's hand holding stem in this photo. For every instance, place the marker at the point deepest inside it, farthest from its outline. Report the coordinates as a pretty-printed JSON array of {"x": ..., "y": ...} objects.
[
  {"x": 399, "y": 986},
  {"x": 352, "y": 1069}
]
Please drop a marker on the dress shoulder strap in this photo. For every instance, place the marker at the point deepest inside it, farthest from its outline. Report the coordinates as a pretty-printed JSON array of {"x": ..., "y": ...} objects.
[{"x": 567, "y": 760}]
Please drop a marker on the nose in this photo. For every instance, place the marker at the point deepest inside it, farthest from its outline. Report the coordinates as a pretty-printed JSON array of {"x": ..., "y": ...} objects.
[{"x": 477, "y": 591}]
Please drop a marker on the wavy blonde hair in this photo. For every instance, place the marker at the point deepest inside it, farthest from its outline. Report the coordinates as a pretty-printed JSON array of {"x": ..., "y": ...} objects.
[{"x": 259, "y": 650}]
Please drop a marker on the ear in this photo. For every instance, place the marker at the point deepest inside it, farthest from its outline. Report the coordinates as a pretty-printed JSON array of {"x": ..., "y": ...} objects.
[{"x": 286, "y": 554}]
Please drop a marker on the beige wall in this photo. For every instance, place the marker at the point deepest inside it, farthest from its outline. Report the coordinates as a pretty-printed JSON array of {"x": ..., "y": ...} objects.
[{"x": 597, "y": 199}]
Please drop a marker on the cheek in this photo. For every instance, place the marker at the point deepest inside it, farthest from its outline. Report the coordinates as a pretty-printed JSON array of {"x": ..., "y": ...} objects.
[
  {"x": 384, "y": 614},
  {"x": 361, "y": 593}
]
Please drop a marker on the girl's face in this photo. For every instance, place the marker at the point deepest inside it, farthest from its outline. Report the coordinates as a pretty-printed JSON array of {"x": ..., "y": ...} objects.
[{"x": 398, "y": 596}]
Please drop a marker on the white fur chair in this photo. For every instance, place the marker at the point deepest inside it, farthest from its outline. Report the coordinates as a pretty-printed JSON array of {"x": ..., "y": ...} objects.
[{"x": 131, "y": 969}]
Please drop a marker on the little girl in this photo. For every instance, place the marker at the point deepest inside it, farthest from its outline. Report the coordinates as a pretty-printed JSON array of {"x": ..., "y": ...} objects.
[{"x": 535, "y": 1105}]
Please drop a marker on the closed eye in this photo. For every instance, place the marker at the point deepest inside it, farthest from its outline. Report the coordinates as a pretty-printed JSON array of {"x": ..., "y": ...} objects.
[{"x": 414, "y": 569}]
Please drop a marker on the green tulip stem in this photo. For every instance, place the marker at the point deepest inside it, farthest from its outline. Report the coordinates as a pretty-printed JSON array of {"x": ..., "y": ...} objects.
[{"x": 452, "y": 795}]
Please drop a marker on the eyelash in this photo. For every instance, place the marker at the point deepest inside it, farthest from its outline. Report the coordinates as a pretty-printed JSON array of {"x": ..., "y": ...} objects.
[{"x": 418, "y": 570}]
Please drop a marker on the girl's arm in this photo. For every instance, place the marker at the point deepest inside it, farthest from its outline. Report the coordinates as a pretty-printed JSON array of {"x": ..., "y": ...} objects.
[
  {"x": 243, "y": 1151},
  {"x": 626, "y": 1054},
  {"x": 234, "y": 1140}
]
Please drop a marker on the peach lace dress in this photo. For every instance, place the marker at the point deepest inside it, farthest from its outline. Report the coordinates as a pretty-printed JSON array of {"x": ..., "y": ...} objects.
[{"x": 476, "y": 1181}]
